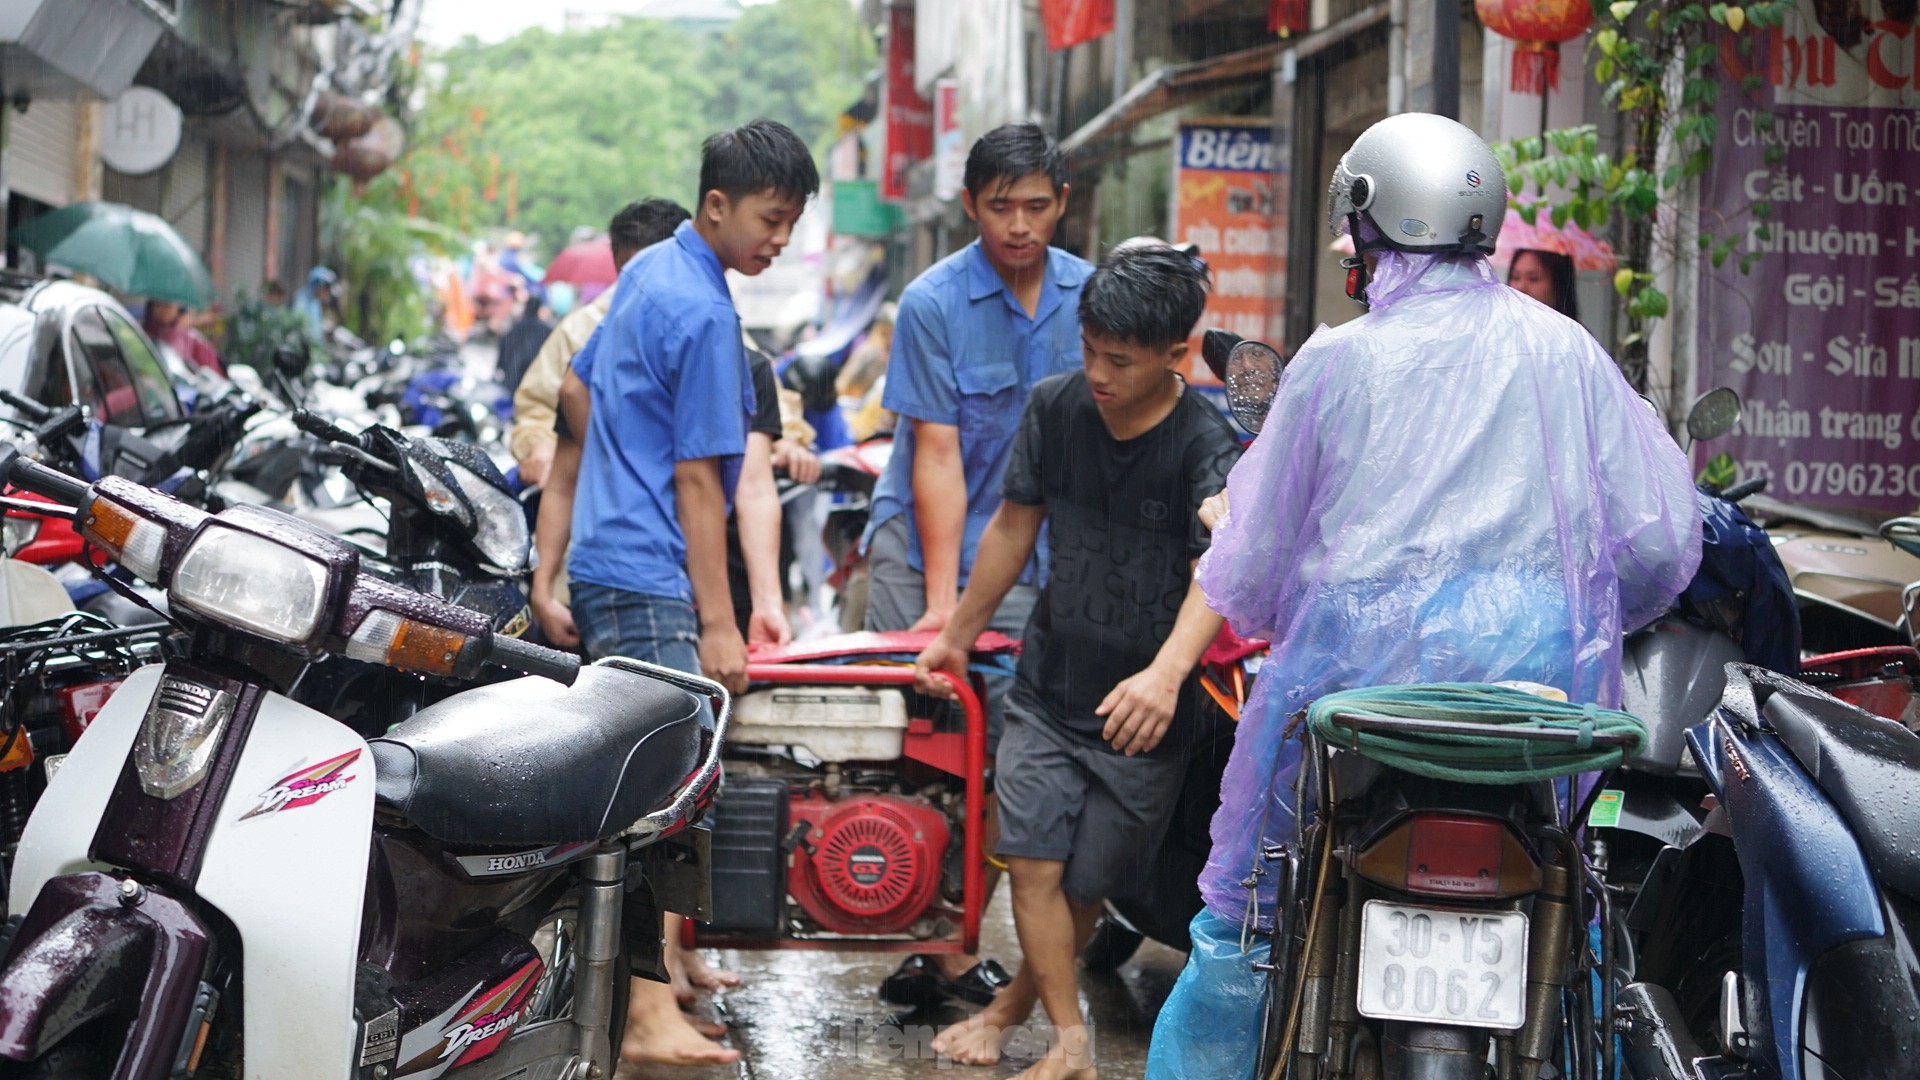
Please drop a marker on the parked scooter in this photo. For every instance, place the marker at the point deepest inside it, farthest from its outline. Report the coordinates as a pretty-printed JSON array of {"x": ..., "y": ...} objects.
[
  {"x": 454, "y": 531},
  {"x": 221, "y": 881},
  {"x": 1850, "y": 580},
  {"x": 54, "y": 677},
  {"x": 1780, "y": 940}
]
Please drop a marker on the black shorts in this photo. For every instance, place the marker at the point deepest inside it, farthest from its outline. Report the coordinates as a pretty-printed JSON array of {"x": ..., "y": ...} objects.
[{"x": 1064, "y": 799}]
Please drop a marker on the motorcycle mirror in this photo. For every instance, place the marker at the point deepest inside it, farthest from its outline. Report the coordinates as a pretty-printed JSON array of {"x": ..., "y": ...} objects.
[
  {"x": 290, "y": 362},
  {"x": 1215, "y": 346},
  {"x": 1714, "y": 413},
  {"x": 1903, "y": 533},
  {"x": 1252, "y": 378}
]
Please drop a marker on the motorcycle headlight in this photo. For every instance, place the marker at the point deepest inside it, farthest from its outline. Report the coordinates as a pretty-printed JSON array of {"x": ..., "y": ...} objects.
[
  {"x": 501, "y": 532},
  {"x": 17, "y": 533},
  {"x": 439, "y": 496},
  {"x": 251, "y": 583}
]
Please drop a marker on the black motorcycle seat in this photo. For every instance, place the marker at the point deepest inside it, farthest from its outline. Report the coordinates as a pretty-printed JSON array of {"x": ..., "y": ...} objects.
[
  {"x": 1868, "y": 765},
  {"x": 528, "y": 761}
]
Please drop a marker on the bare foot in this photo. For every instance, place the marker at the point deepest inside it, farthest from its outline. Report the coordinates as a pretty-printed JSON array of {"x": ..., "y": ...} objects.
[
  {"x": 705, "y": 975},
  {"x": 712, "y": 1029},
  {"x": 979, "y": 1039},
  {"x": 658, "y": 1033}
]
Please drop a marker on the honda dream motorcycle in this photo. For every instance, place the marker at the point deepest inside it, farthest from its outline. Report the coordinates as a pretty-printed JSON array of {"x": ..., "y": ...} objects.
[{"x": 223, "y": 882}]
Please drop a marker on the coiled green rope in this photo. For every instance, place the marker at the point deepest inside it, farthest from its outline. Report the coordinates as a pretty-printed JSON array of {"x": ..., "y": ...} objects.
[{"x": 1484, "y": 756}]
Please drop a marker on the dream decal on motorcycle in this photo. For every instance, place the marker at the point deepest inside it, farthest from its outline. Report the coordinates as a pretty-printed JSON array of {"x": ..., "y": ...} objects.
[
  {"x": 472, "y": 1028},
  {"x": 306, "y": 786}
]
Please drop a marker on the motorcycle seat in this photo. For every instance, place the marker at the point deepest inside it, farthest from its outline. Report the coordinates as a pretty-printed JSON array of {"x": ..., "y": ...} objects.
[
  {"x": 1867, "y": 765},
  {"x": 529, "y": 761}
]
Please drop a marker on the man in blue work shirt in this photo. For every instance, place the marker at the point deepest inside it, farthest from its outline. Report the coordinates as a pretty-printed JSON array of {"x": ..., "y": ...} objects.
[
  {"x": 973, "y": 334},
  {"x": 664, "y": 391},
  {"x": 671, "y": 402}
]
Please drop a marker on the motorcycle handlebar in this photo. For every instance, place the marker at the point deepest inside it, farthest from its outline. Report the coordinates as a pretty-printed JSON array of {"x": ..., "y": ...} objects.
[
  {"x": 27, "y": 407},
  {"x": 1743, "y": 490},
  {"x": 322, "y": 429},
  {"x": 25, "y": 473},
  {"x": 525, "y": 656}
]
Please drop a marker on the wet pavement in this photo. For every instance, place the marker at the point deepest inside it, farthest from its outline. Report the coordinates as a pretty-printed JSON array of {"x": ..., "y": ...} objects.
[{"x": 807, "y": 1015}]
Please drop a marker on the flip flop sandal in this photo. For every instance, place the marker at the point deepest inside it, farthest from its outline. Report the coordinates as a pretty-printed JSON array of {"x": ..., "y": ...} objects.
[
  {"x": 916, "y": 982},
  {"x": 978, "y": 984}
]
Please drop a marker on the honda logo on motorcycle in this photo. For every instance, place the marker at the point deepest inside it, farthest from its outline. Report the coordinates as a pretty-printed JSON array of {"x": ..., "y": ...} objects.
[
  {"x": 306, "y": 786},
  {"x": 181, "y": 732}
]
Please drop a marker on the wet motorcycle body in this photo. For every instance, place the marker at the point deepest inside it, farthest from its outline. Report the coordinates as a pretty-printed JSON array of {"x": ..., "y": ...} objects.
[
  {"x": 454, "y": 531},
  {"x": 1425, "y": 927},
  {"x": 1850, "y": 582},
  {"x": 222, "y": 881},
  {"x": 1780, "y": 941}
]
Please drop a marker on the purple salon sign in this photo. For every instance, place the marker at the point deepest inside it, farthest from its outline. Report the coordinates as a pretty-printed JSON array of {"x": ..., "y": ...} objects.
[{"x": 1822, "y": 339}]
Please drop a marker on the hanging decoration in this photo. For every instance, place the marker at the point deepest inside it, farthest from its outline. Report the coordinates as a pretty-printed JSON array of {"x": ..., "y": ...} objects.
[
  {"x": 1537, "y": 27},
  {"x": 1287, "y": 17},
  {"x": 1070, "y": 22}
]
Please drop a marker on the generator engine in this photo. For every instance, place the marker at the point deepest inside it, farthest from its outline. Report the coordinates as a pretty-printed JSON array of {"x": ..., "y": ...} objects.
[
  {"x": 870, "y": 864},
  {"x": 816, "y": 808}
]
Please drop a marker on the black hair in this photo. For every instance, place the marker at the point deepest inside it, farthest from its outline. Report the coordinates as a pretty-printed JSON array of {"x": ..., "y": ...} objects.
[
  {"x": 1150, "y": 296},
  {"x": 1560, "y": 272},
  {"x": 758, "y": 156},
  {"x": 1012, "y": 151},
  {"x": 640, "y": 225}
]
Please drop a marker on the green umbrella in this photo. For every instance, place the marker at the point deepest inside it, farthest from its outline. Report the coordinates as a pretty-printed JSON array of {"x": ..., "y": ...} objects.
[{"x": 131, "y": 250}]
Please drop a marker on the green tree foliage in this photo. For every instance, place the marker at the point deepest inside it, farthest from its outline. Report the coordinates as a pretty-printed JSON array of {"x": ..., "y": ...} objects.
[
  {"x": 1656, "y": 61},
  {"x": 546, "y": 132},
  {"x": 369, "y": 243}
]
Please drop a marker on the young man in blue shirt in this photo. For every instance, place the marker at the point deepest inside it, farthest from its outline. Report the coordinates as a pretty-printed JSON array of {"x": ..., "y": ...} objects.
[
  {"x": 664, "y": 390},
  {"x": 666, "y": 376},
  {"x": 974, "y": 332}
]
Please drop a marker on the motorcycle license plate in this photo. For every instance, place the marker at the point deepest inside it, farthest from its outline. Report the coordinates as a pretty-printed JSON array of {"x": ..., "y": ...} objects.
[{"x": 1443, "y": 966}]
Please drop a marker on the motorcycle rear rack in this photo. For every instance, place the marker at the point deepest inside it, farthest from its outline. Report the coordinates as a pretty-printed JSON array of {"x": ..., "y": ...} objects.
[{"x": 1409, "y": 726}]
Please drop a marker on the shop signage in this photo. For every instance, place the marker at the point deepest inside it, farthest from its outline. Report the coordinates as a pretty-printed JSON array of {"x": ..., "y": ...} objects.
[
  {"x": 949, "y": 145},
  {"x": 1822, "y": 338},
  {"x": 139, "y": 131},
  {"x": 858, "y": 211},
  {"x": 1229, "y": 191},
  {"x": 909, "y": 131}
]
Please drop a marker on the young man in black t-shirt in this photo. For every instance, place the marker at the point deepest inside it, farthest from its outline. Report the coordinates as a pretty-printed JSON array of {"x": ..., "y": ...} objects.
[{"x": 1117, "y": 458}]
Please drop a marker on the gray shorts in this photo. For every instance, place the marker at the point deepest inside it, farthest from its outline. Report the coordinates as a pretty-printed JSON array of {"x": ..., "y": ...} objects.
[
  {"x": 897, "y": 597},
  {"x": 1101, "y": 813}
]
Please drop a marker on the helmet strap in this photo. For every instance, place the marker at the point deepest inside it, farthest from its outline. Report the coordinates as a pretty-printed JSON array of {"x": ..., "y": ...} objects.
[
  {"x": 1356, "y": 268},
  {"x": 1356, "y": 264}
]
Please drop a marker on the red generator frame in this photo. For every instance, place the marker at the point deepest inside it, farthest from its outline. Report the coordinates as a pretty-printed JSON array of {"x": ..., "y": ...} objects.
[{"x": 957, "y": 753}]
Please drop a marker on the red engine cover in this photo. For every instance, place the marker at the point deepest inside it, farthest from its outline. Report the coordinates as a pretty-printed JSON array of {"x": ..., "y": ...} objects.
[{"x": 874, "y": 863}]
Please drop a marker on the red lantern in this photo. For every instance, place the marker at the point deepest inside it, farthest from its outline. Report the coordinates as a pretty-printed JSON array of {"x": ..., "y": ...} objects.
[
  {"x": 1287, "y": 17},
  {"x": 1538, "y": 27}
]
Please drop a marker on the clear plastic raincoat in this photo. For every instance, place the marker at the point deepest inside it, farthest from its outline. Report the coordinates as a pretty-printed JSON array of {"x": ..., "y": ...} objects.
[{"x": 1459, "y": 486}]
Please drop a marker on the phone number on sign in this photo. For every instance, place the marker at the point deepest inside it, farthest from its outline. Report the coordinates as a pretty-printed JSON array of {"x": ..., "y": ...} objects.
[{"x": 1856, "y": 479}]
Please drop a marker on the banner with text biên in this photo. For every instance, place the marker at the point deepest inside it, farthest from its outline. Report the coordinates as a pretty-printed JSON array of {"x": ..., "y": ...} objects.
[
  {"x": 1822, "y": 338},
  {"x": 1229, "y": 191}
]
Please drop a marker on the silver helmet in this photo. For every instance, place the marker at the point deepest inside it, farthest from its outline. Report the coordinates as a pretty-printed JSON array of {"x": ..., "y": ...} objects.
[{"x": 1424, "y": 183}]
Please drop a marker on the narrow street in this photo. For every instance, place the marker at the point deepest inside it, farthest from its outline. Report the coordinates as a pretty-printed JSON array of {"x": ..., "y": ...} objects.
[{"x": 803, "y": 1015}]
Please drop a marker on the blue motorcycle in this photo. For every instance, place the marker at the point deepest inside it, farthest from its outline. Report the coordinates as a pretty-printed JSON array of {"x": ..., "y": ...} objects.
[{"x": 1782, "y": 939}]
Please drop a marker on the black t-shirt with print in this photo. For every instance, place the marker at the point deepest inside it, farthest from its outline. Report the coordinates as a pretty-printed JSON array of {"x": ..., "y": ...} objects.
[{"x": 1124, "y": 528}]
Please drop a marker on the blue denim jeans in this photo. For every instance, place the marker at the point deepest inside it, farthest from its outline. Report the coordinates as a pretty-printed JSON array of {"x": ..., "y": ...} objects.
[{"x": 657, "y": 629}]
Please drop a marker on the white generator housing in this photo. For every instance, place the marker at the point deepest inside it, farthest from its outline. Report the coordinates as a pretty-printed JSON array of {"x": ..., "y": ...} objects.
[{"x": 834, "y": 723}]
